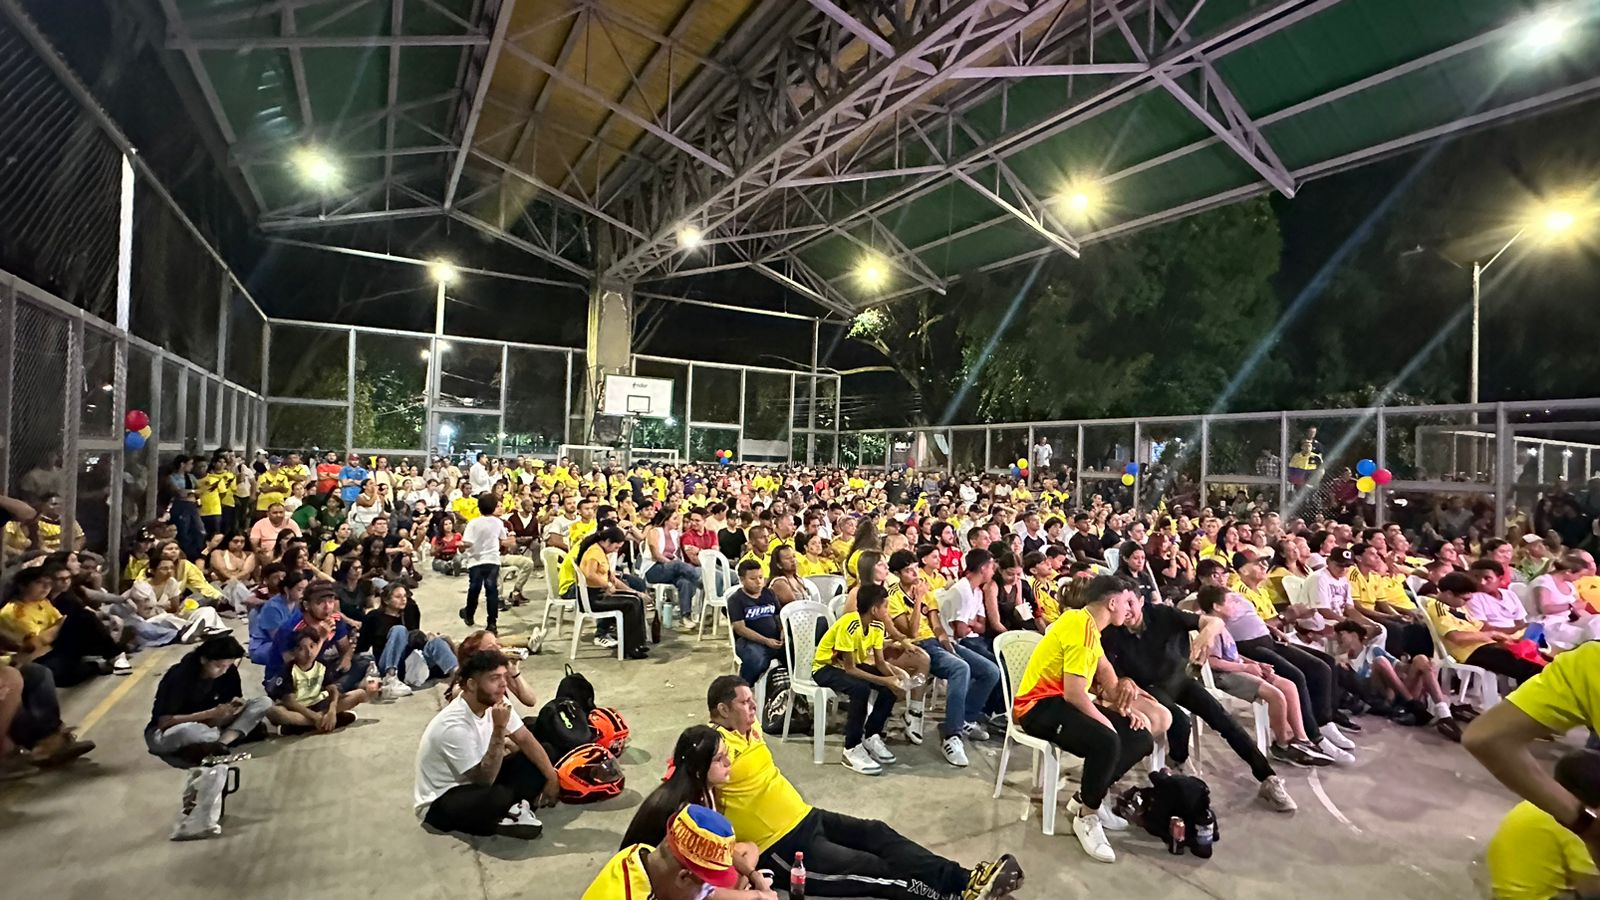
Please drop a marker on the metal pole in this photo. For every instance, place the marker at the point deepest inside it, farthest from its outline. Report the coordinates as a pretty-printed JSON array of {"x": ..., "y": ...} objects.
[
  {"x": 1502, "y": 467},
  {"x": 72, "y": 413},
  {"x": 1283, "y": 463},
  {"x": 1205, "y": 459},
  {"x": 1077, "y": 471},
  {"x": 1379, "y": 499},
  {"x": 739, "y": 454},
  {"x": 349, "y": 392},
  {"x": 505, "y": 378},
  {"x": 1477, "y": 292},
  {"x": 8, "y": 346},
  {"x": 811, "y": 415},
  {"x": 1139, "y": 478}
]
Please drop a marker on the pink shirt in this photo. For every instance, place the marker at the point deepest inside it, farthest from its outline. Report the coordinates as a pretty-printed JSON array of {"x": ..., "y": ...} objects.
[{"x": 264, "y": 534}]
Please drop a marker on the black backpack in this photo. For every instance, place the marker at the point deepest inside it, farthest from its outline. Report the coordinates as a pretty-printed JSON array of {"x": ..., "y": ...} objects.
[
  {"x": 563, "y": 726},
  {"x": 577, "y": 688},
  {"x": 1183, "y": 796}
]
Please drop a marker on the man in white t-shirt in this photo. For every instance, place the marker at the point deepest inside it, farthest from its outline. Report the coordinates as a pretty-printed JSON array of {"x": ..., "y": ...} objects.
[
  {"x": 467, "y": 780},
  {"x": 1042, "y": 451},
  {"x": 480, "y": 554},
  {"x": 555, "y": 530}
]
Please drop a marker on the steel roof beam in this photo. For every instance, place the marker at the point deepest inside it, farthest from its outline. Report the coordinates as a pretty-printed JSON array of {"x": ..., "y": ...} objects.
[
  {"x": 865, "y": 33},
  {"x": 901, "y": 257},
  {"x": 259, "y": 11},
  {"x": 328, "y": 221},
  {"x": 825, "y": 296},
  {"x": 568, "y": 44},
  {"x": 390, "y": 118},
  {"x": 297, "y": 68},
  {"x": 1026, "y": 218},
  {"x": 423, "y": 263},
  {"x": 251, "y": 152},
  {"x": 1052, "y": 71},
  {"x": 469, "y": 131},
  {"x": 324, "y": 42},
  {"x": 521, "y": 244}
]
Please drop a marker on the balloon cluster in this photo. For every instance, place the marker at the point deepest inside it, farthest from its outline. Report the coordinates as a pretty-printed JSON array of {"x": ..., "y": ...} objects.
[
  {"x": 1129, "y": 473},
  {"x": 723, "y": 457},
  {"x": 136, "y": 428},
  {"x": 1020, "y": 470},
  {"x": 1371, "y": 476}
]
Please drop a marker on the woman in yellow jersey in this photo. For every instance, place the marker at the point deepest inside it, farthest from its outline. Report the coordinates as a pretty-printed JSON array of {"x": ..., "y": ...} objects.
[
  {"x": 815, "y": 561},
  {"x": 1534, "y": 857},
  {"x": 866, "y": 539},
  {"x": 1056, "y": 701},
  {"x": 850, "y": 662}
]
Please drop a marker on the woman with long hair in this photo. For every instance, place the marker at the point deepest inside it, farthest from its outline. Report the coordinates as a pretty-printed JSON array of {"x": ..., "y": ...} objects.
[
  {"x": 1161, "y": 557},
  {"x": 783, "y": 575},
  {"x": 1135, "y": 567},
  {"x": 367, "y": 506},
  {"x": 866, "y": 539},
  {"x": 664, "y": 563},
  {"x": 352, "y": 589},
  {"x": 234, "y": 567}
]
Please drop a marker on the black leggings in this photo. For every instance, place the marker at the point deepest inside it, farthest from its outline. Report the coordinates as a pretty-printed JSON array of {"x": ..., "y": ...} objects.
[
  {"x": 849, "y": 857},
  {"x": 1192, "y": 696},
  {"x": 1311, "y": 676},
  {"x": 1107, "y": 754},
  {"x": 478, "y": 808},
  {"x": 82, "y": 637},
  {"x": 39, "y": 714},
  {"x": 1500, "y": 661},
  {"x": 858, "y": 724}
]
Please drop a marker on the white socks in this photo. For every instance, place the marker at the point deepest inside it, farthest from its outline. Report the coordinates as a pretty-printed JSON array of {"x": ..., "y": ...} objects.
[
  {"x": 916, "y": 707},
  {"x": 1441, "y": 711}
]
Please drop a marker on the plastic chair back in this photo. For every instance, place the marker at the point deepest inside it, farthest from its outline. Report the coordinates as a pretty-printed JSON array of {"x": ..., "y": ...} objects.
[
  {"x": 1013, "y": 649},
  {"x": 552, "y": 558},
  {"x": 1294, "y": 587},
  {"x": 1530, "y": 601},
  {"x": 828, "y": 586},
  {"x": 1113, "y": 557},
  {"x": 710, "y": 561},
  {"x": 799, "y": 620}
]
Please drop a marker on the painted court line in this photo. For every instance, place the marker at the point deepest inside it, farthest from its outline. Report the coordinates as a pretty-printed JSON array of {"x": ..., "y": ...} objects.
[
  {"x": 117, "y": 693},
  {"x": 1322, "y": 795}
]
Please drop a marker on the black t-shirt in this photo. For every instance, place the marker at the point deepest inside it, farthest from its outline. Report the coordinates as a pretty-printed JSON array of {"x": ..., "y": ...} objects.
[
  {"x": 184, "y": 690},
  {"x": 1157, "y": 656},
  {"x": 759, "y": 614},
  {"x": 1086, "y": 547},
  {"x": 730, "y": 542},
  {"x": 375, "y": 629}
]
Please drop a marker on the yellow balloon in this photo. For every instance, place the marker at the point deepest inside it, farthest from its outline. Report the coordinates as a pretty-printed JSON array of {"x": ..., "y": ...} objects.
[
  {"x": 1127, "y": 479},
  {"x": 1022, "y": 463},
  {"x": 1365, "y": 484},
  {"x": 145, "y": 432}
]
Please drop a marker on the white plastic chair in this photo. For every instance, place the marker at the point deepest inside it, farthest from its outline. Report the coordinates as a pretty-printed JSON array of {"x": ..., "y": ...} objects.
[
  {"x": 1113, "y": 557},
  {"x": 828, "y": 586},
  {"x": 553, "y": 603},
  {"x": 1294, "y": 587},
  {"x": 1466, "y": 675},
  {"x": 799, "y": 620},
  {"x": 1414, "y": 583},
  {"x": 712, "y": 565},
  {"x": 1263, "y": 715},
  {"x": 1013, "y": 649},
  {"x": 1530, "y": 600},
  {"x": 836, "y": 605},
  {"x": 584, "y": 611}
]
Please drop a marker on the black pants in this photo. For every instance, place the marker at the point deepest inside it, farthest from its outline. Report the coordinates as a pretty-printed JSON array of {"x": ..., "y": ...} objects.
[
  {"x": 1312, "y": 677},
  {"x": 1191, "y": 695},
  {"x": 849, "y": 857},
  {"x": 478, "y": 808},
  {"x": 1500, "y": 661},
  {"x": 858, "y": 724},
  {"x": 39, "y": 714},
  {"x": 635, "y": 631},
  {"x": 1107, "y": 754},
  {"x": 484, "y": 577},
  {"x": 82, "y": 638},
  {"x": 1409, "y": 640}
]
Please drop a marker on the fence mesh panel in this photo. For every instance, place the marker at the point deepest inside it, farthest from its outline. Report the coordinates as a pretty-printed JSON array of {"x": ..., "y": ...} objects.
[
  {"x": 177, "y": 285},
  {"x": 38, "y": 414}
]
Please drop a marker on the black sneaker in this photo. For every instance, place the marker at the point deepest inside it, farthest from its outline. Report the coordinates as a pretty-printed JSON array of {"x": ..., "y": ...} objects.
[
  {"x": 1316, "y": 756},
  {"x": 993, "y": 880},
  {"x": 1295, "y": 756},
  {"x": 1449, "y": 729},
  {"x": 1463, "y": 712},
  {"x": 465, "y": 619},
  {"x": 1345, "y": 722}
]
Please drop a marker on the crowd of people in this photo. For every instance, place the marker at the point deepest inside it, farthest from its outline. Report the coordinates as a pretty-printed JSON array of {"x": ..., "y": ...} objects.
[{"x": 1324, "y": 621}]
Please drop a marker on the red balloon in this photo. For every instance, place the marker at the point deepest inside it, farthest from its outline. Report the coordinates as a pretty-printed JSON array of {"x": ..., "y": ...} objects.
[
  {"x": 135, "y": 420},
  {"x": 1383, "y": 476}
]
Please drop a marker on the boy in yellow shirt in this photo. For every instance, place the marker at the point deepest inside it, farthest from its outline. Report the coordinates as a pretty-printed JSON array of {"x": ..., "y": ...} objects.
[
  {"x": 850, "y": 661},
  {"x": 1532, "y": 856}
]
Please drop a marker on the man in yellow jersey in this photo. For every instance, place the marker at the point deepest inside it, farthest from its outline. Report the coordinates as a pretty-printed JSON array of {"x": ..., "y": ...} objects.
[
  {"x": 1531, "y": 857},
  {"x": 1566, "y": 695},
  {"x": 1382, "y": 598},
  {"x": 760, "y": 549},
  {"x": 272, "y": 486},
  {"x": 1056, "y": 702},
  {"x": 297, "y": 471},
  {"x": 844, "y": 856},
  {"x": 209, "y": 494},
  {"x": 697, "y": 855}
]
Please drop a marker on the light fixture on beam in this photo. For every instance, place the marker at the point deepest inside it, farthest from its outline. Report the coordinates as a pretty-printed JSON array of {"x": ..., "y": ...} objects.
[
  {"x": 872, "y": 272},
  {"x": 1544, "y": 33},
  {"x": 316, "y": 168},
  {"x": 443, "y": 271},
  {"x": 690, "y": 237},
  {"x": 1082, "y": 200}
]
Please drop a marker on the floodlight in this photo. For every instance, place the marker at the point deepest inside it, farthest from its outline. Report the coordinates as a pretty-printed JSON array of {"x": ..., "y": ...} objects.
[
  {"x": 1545, "y": 32},
  {"x": 443, "y": 271},
  {"x": 871, "y": 272},
  {"x": 316, "y": 168},
  {"x": 689, "y": 237}
]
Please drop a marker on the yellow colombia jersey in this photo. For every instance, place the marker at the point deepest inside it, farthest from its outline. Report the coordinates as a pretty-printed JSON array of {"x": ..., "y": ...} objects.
[
  {"x": 1566, "y": 695},
  {"x": 760, "y": 803},
  {"x": 899, "y": 605},
  {"x": 807, "y": 567},
  {"x": 1534, "y": 857},
  {"x": 1070, "y": 647},
  {"x": 1044, "y": 594},
  {"x": 1370, "y": 590},
  {"x": 848, "y": 636},
  {"x": 623, "y": 878}
]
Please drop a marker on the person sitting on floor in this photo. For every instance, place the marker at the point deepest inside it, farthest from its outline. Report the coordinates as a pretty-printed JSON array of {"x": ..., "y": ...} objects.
[
  {"x": 319, "y": 615},
  {"x": 306, "y": 697},
  {"x": 846, "y": 856},
  {"x": 75, "y": 647},
  {"x": 1403, "y": 684},
  {"x": 392, "y": 632},
  {"x": 850, "y": 661},
  {"x": 699, "y": 766},
  {"x": 160, "y": 598},
  {"x": 468, "y": 779},
  {"x": 1532, "y": 856},
  {"x": 200, "y": 709},
  {"x": 695, "y": 862},
  {"x": 30, "y": 719}
]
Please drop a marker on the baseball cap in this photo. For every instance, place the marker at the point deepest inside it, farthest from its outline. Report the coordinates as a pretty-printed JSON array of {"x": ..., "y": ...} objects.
[
  {"x": 702, "y": 840},
  {"x": 1341, "y": 557},
  {"x": 274, "y": 460},
  {"x": 1532, "y": 539}
]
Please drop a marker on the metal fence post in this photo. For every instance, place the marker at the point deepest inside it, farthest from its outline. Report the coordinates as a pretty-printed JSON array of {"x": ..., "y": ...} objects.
[
  {"x": 349, "y": 391},
  {"x": 1205, "y": 458},
  {"x": 688, "y": 408},
  {"x": 1503, "y": 463},
  {"x": 8, "y": 344},
  {"x": 71, "y": 419},
  {"x": 566, "y": 406},
  {"x": 505, "y": 378},
  {"x": 742, "y": 374},
  {"x": 258, "y": 431},
  {"x": 119, "y": 409},
  {"x": 152, "y": 447},
  {"x": 1380, "y": 500},
  {"x": 1138, "y": 479},
  {"x": 1077, "y": 470},
  {"x": 1283, "y": 462}
]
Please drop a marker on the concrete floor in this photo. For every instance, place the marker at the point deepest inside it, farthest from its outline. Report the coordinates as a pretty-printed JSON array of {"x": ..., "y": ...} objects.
[{"x": 331, "y": 815}]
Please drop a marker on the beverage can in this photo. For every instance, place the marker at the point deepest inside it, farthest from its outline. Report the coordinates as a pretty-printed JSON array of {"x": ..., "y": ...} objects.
[{"x": 1176, "y": 831}]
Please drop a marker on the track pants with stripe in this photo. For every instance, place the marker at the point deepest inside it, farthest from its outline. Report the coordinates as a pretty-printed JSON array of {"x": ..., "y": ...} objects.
[{"x": 849, "y": 857}]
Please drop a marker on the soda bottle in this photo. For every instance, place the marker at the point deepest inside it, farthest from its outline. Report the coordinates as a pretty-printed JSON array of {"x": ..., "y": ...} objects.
[
  {"x": 1176, "y": 830},
  {"x": 797, "y": 878}
]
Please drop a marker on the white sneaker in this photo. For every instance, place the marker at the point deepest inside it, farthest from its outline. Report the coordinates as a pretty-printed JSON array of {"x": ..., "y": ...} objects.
[
  {"x": 191, "y": 632},
  {"x": 955, "y": 753},
  {"x": 878, "y": 750},
  {"x": 1092, "y": 838},
  {"x": 1189, "y": 767},
  {"x": 520, "y": 822},
  {"x": 1108, "y": 819},
  {"x": 1331, "y": 733},
  {"x": 393, "y": 688},
  {"x": 857, "y": 759},
  {"x": 972, "y": 731},
  {"x": 606, "y": 641},
  {"x": 121, "y": 665},
  {"x": 913, "y": 723},
  {"x": 1276, "y": 793},
  {"x": 1337, "y": 754}
]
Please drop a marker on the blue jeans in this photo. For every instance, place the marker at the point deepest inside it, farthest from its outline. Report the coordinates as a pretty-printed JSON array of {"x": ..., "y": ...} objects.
[
  {"x": 435, "y": 650},
  {"x": 754, "y": 659},
  {"x": 975, "y": 647},
  {"x": 681, "y": 575},
  {"x": 971, "y": 678},
  {"x": 484, "y": 577}
]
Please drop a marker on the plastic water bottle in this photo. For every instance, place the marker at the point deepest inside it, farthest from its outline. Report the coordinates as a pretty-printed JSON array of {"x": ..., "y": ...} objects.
[{"x": 797, "y": 877}]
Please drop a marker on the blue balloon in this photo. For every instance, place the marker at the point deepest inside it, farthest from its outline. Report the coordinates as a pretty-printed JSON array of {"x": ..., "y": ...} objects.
[
  {"x": 724, "y": 460},
  {"x": 1366, "y": 467},
  {"x": 1131, "y": 468},
  {"x": 1015, "y": 472},
  {"x": 133, "y": 440}
]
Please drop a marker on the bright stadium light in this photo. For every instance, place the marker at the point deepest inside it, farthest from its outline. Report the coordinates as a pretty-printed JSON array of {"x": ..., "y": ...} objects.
[
  {"x": 443, "y": 271},
  {"x": 689, "y": 237},
  {"x": 1082, "y": 199},
  {"x": 1557, "y": 222},
  {"x": 1545, "y": 32},
  {"x": 316, "y": 168},
  {"x": 871, "y": 272}
]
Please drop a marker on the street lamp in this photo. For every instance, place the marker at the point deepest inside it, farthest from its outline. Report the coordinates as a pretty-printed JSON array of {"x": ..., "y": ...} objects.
[{"x": 1552, "y": 222}]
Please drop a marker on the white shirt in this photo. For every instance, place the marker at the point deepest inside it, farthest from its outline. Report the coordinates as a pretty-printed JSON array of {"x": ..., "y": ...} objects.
[
  {"x": 484, "y": 534},
  {"x": 452, "y": 744},
  {"x": 1324, "y": 591},
  {"x": 559, "y": 525},
  {"x": 1041, "y": 454},
  {"x": 478, "y": 477},
  {"x": 971, "y": 600},
  {"x": 1545, "y": 585}
]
